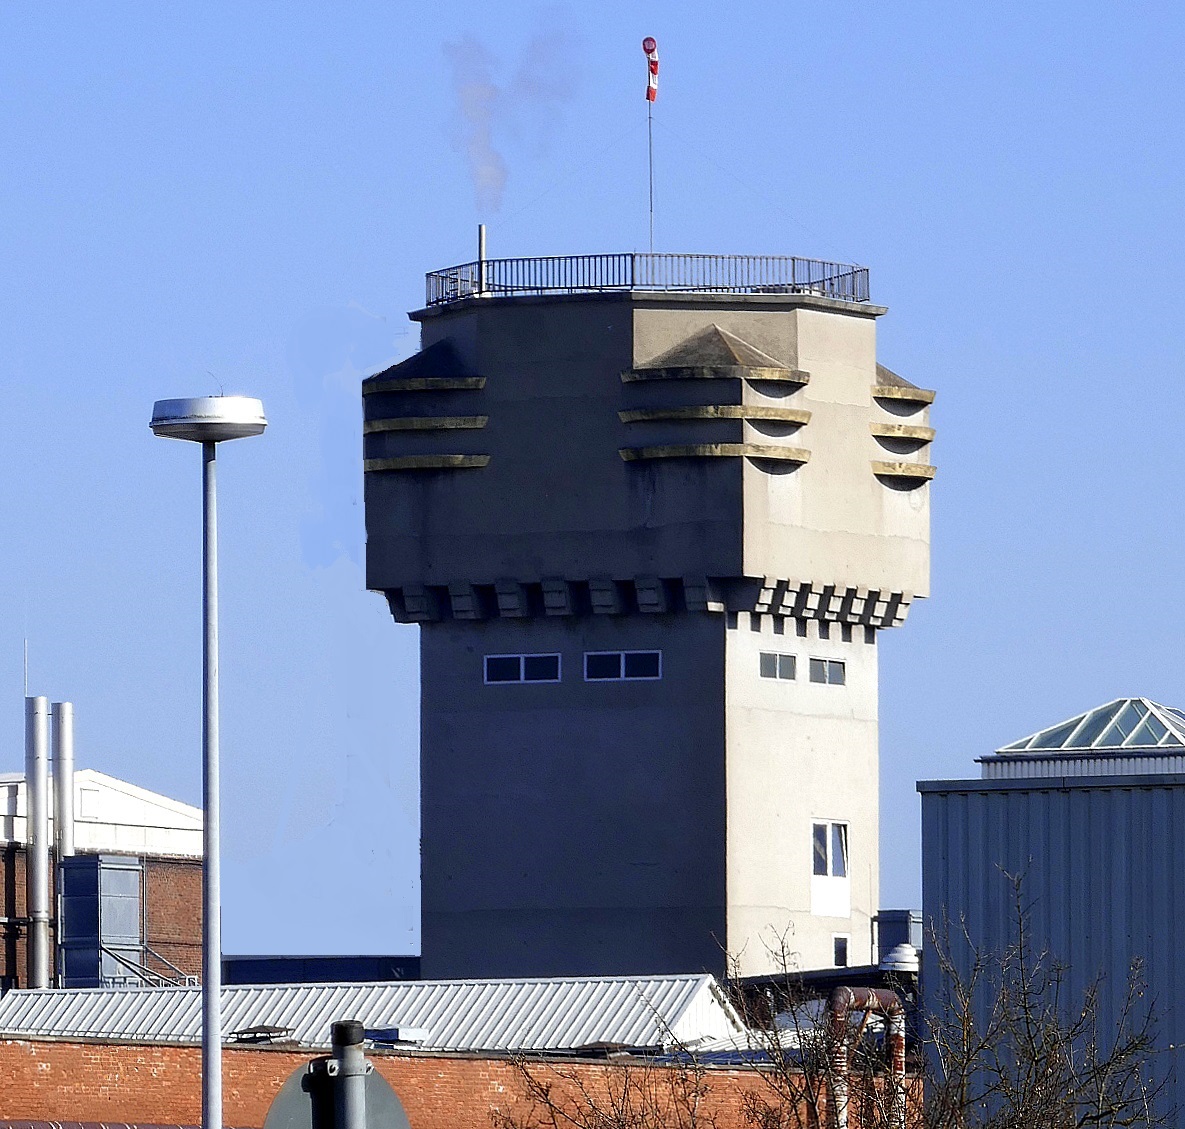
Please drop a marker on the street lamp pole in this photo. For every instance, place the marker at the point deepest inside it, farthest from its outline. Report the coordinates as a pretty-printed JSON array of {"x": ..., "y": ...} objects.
[
  {"x": 211, "y": 838},
  {"x": 210, "y": 420}
]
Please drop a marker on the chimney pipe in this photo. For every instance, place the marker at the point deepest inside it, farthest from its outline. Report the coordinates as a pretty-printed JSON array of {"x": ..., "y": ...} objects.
[
  {"x": 37, "y": 836},
  {"x": 63, "y": 778},
  {"x": 481, "y": 258}
]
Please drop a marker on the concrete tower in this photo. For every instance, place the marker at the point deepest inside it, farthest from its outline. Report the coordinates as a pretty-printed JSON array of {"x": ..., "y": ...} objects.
[{"x": 650, "y": 513}]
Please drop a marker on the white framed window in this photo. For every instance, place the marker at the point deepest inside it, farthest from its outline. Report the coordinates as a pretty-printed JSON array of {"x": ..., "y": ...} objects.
[
  {"x": 829, "y": 671},
  {"x": 839, "y": 947},
  {"x": 622, "y": 666},
  {"x": 773, "y": 664},
  {"x": 521, "y": 668},
  {"x": 829, "y": 850}
]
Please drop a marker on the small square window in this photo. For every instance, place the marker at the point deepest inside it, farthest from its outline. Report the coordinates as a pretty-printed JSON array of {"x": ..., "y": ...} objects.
[
  {"x": 818, "y": 670},
  {"x": 643, "y": 664},
  {"x": 840, "y": 944},
  {"x": 787, "y": 666},
  {"x": 504, "y": 668},
  {"x": 768, "y": 665},
  {"x": 541, "y": 668},
  {"x": 598, "y": 666}
]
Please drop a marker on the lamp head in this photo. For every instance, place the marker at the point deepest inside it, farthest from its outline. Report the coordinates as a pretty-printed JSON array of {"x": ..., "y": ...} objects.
[{"x": 208, "y": 419}]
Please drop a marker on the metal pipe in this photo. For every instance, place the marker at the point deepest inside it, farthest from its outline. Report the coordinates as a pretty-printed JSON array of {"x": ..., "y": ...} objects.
[
  {"x": 842, "y": 1002},
  {"x": 62, "y": 739},
  {"x": 37, "y": 836},
  {"x": 349, "y": 1095},
  {"x": 63, "y": 778},
  {"x": 481, "y": 258},
  {"x": 211, "y": 869}
]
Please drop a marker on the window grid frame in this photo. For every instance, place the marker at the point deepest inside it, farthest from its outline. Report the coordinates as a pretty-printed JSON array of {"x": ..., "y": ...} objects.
[
  {"x": 828, "y": 668},
  {"x": 836, "y": 832},
  {"x": 781, "y": 659},
  {"x": 522, "y": 679},
  {"x": 622, "y": 676}
]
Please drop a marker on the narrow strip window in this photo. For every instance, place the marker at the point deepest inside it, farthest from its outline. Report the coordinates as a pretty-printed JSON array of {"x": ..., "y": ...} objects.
[
  {"x": 839, "y": 943},
  {"x": 820, "y": 853}
]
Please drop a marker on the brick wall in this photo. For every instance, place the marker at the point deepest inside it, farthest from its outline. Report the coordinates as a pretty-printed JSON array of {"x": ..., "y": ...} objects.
[
  {"x": 172, "y": 911},
  {"x": 75, "y": 1081}
]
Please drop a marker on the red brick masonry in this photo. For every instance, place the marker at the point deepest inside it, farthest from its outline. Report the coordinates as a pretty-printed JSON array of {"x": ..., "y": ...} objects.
[{"x": 53, "y": 1080}]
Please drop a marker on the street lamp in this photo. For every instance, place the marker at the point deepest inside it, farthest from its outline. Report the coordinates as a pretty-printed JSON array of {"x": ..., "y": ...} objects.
[{"x": 210, "y": 420}]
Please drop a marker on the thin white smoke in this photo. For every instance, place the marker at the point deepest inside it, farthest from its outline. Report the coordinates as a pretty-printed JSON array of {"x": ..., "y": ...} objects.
[
  {"x": 478, "y": 102},
  {"x": 486, "y": 107}
]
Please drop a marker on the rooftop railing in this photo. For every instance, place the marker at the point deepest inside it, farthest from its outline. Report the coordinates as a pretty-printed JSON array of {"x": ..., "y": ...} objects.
[{"x": 708, "y": 274}]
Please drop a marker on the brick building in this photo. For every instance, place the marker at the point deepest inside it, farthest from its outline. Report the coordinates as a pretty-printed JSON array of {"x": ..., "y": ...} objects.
[
  {"x": 152, "y": 843},
  {"x": 92, "y": 1081}
]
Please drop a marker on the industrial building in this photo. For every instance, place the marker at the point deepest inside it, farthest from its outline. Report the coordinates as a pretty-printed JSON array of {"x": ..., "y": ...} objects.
[
  {"x": 1087, "y": 815},
  {"x": 100, "y": 880},
  {"x": 456, "y": 1053},
  {"x": 650, "y": 514}
]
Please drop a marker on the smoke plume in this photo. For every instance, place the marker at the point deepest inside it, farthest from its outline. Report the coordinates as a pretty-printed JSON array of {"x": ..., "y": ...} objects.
[{"x": 490, "y": 109}]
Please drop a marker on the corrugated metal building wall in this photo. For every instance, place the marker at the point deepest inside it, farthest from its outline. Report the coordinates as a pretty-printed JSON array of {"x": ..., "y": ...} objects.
[{"x": 1103, "y": 866}]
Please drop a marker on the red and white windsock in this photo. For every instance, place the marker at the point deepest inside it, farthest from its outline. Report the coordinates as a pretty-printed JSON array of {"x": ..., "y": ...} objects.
[{"x": 650, "y": 46}]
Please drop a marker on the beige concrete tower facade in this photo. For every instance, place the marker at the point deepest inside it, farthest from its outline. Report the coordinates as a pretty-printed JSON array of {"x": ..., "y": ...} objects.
[{"x": 650, "y": 532}]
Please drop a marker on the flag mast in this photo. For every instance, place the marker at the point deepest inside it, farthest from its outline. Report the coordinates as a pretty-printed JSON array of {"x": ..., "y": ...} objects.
[{"x": 650, "y": 47}]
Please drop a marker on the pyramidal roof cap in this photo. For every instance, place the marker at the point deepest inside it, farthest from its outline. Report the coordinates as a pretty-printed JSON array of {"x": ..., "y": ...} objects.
[
  {"x": 886, "y": 376},
  {"x": 1124, "y": 724},
  {"x": 715, "y": 348}
]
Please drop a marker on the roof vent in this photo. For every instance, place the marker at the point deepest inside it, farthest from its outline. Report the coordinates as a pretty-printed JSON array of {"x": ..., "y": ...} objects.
[
  {"x": 391, "y": 1035},
  {"x": 903, "y": 958}
]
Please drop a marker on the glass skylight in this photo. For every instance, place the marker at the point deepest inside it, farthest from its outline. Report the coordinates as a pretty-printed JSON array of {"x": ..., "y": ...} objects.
[{"x": 1126, "y": 723}]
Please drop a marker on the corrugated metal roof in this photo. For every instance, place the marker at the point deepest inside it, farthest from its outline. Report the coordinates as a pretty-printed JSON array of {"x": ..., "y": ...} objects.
[{"x": 458, "y": 1015}]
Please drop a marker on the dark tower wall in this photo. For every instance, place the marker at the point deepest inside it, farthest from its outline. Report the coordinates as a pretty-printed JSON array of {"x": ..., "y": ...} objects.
[{"x": 719, "y": 477}]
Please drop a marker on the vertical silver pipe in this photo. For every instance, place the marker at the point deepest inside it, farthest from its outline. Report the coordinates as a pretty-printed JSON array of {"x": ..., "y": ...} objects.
[
  {"x": 37, "y": 823},
  {"x": 349, "y": 1098},
  {"x": 481, "y": 258},
  {"x": 62, "y": 737},
  {"x": 63, "y": 778},
  {"x": 211, "y": 871}
]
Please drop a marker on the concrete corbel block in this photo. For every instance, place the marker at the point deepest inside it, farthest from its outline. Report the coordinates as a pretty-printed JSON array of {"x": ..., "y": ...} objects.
[
  {"x": 421, "y": 604},
  {"x": 463, "y": 600},
  {"x": 512, "y": 600},
  {"x": 557, "y": 597},
  {"x": 603, "y": 594},
  {"x": 651, "y": 595}
]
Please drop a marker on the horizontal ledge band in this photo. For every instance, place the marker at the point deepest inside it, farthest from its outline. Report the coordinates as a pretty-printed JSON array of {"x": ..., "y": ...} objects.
[
  {"x": 538, "y": 598},
  {"x": 910, "y": 395},
  {"x": 717, "y": 411},
  {"x": 902, "y": 431},
  {"x": 425, "y": 384},
  {"x": 717, "y": 372},
  {"x": 904, "y": 470},
  {"x": 425, "y": 462},
  {"x": 424, "y": 423},
  {"x": 716, "y": 450}
]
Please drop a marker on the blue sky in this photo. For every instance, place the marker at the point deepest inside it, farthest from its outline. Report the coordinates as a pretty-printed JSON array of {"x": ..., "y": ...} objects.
[{"x": 247, "y": 197}]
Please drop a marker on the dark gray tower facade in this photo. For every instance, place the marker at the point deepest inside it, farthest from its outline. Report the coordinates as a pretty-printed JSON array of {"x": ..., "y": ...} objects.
[{"x": 650, "y": 531}]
